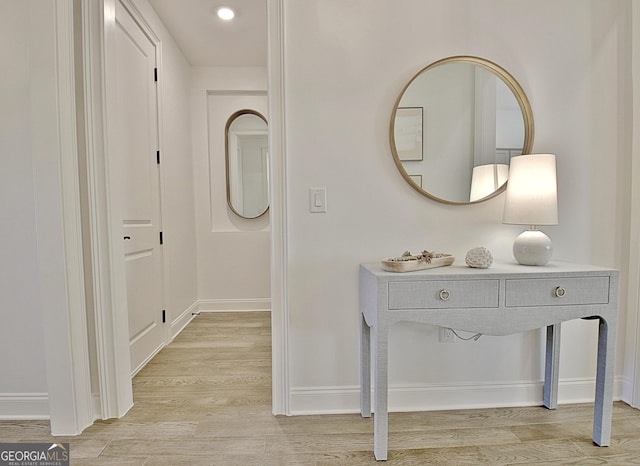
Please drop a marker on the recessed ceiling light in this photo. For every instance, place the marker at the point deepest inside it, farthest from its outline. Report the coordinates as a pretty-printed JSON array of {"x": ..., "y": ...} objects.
[{"x": 226, "y": 13}]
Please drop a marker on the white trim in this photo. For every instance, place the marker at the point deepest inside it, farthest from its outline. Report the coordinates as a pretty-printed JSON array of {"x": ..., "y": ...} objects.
[
  {"x": 278, "y": 208},
  {"x": 24, "y": 406},
  {"x": 437, "y": 397},
  {"x": 165, "y": 269},
  {"x": 72, "y": 222},
  {"x": 179, "y": 323},
  {"x": 632, "y": 346},
  {"x": 247, "y": 304},
  {"x": 59, "y": 233},
  {"x": 626, "y": 393},
  {"x": 146, "y": 360},
  {"x": 110, "y": 302},
  {"x": 239, "y": 92}
]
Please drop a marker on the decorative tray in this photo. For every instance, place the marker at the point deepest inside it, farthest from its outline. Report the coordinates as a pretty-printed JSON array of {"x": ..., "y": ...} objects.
[{"x": 409, "y": 262}]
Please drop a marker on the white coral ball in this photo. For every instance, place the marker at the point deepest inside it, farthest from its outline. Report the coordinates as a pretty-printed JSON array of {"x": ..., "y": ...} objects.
[{"x": 479, "y": 258}]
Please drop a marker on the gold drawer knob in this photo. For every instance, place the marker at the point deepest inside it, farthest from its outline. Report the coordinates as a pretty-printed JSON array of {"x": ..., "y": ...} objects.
[
  {"x": 559, "y": 292},
  {"x": 445, "y": 295}
]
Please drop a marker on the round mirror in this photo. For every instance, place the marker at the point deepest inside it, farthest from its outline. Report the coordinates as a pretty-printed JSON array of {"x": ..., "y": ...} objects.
[
  {"x": 455, "y": 127},
  {"x": 247, "y": 160}
]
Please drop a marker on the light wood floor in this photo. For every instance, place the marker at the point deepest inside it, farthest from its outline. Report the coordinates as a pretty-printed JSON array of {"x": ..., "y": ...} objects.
[{"x": 206, "y": 400}]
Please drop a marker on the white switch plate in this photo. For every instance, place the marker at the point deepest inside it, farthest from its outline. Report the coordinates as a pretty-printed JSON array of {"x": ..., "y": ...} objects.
[{"x": 317, "y": 200}]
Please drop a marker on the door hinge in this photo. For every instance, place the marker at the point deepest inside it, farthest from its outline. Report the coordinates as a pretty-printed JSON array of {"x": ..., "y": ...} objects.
[
  {"x": 158, "y": 157},
  {"x": 164, "y": 316},
  {"x": 155, "y": 74},
  {"x": 161, "y": 238}
]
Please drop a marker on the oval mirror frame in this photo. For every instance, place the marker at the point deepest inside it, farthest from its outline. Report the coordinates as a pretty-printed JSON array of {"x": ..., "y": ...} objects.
[
  {"x": 507, "y": 79},
  {"x": 227, "y": 147}
]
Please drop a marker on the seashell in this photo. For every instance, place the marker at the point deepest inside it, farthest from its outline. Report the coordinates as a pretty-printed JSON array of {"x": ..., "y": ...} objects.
[{"x": 479, "y": 258}]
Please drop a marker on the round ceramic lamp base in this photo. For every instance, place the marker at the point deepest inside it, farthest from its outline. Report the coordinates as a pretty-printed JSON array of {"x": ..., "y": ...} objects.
[{"x": 532, "y": 247}]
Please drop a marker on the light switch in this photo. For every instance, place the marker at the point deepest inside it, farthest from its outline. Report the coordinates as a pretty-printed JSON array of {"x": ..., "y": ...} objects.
[{"x": 317, "y": 200}]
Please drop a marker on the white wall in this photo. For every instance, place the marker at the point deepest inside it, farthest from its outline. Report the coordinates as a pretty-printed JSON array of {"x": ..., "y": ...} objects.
[
  {"x": 178, "y": 209},
  {"x": 23, "y": 384},
  {"x": 233, "y": 253},
  {"x": 345, "y": 64}
]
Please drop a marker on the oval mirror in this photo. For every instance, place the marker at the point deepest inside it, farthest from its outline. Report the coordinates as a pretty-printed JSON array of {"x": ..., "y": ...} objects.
[
  {"x": 455, "y": 127},
  {"x": 247, "y": 160}
]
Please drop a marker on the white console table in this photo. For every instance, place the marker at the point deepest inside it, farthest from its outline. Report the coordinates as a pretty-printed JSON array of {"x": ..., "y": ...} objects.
[{"x": 508, "y": 298}]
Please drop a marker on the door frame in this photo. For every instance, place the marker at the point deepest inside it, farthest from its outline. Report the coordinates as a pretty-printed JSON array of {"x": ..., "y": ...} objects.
[
  {"x": 631, "y": 385},
  {"x": 280, "y": 363},
  {"x": 112, "y": 363},
  {"x": 58, "y": 219},
  {"x": 113, "y": 395}
]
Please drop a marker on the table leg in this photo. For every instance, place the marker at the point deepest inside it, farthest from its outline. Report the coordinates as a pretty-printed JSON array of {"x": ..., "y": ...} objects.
[
  {"x": 603, "y": 408},
  {"x": 365, "y": 368},
  {"x": 381, "y": 416},
  {"x": 551, "y": 368}
]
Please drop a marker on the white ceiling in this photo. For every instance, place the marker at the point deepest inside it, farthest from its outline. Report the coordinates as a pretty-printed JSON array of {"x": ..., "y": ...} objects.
[{"x": 206, "y": 40}]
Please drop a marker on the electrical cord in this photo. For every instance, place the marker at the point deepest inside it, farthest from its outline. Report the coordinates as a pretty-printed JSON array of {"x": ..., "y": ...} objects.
[{"x": 475, "y": 337}]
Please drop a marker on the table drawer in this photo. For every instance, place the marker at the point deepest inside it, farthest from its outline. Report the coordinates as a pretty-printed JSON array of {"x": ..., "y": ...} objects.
[
  {"x": 557, "y": 291},
  {"x": 445, "y": 294}
]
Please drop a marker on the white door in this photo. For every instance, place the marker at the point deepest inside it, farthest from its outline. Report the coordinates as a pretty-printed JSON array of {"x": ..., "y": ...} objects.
[{"x": 139, "y": 186}]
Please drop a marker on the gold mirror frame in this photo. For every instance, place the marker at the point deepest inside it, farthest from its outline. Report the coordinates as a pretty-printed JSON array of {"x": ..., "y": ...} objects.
[
  {"x": 509, "y": 81},
  {"x": 227, "y": 127}
]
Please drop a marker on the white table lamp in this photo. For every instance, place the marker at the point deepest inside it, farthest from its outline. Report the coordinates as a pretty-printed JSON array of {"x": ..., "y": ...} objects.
[{"x": 532, "y": 199}]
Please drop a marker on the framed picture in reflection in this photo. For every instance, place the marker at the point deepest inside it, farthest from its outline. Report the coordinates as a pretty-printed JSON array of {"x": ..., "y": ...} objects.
[
  {"x": 417, "y": 179},
  {"x": 408, "y": 133}
]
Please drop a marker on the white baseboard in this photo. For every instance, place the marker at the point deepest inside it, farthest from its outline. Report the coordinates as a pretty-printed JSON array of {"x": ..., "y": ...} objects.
[
  {"x": 216, "y": 305},
  {"x": 178, "y": 324},
  {"x": 24, "y": 406},
  {"x": 627, "y": 392},
  {"x": 249, "y": 304},
  {"x": 583, "y": 390},
  {"x": 435, "y": 397},
  {"x": 97, "y": 406},
  {"x": 147, "y": 359}
]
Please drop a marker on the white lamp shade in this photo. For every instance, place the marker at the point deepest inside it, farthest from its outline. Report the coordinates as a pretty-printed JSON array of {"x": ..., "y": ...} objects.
[
  {"x": 486, "y": 179},
  {"x": 532, "y": 192}
]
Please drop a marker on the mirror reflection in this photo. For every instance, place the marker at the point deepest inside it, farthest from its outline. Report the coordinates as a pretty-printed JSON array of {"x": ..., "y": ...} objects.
[
  {"x": 455, "y": 127},
  {"x": 247, "y": 160}
]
